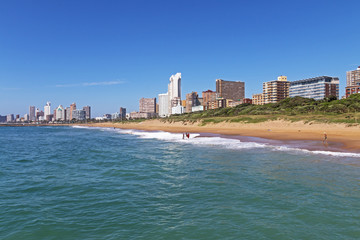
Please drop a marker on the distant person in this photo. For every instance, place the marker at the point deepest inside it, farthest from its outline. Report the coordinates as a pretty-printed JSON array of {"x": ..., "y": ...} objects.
[
  {"x": 183, "y": 135},
  {"x": 188, "y": 135},
  {"x": 325, "y": 138}
]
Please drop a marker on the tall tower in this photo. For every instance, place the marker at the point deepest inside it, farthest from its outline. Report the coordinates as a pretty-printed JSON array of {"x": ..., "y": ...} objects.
[
  {"x": 72, "y": 108},
  {"x": 174, "y": 91},
  {"x": 47, "y": 109},
  {"x": 32, "y": 113},
  {"x": 353, "y": 77}
]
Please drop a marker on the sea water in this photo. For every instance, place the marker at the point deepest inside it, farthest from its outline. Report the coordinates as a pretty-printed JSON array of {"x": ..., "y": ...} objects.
[{"x": 103, "y": 183}]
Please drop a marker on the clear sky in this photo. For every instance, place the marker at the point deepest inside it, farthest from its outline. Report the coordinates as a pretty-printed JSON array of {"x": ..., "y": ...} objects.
[{"x": 109, "y": 54}]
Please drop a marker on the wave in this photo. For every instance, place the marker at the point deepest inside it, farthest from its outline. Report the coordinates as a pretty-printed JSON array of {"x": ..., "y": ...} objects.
[{"x": 227, "y": 143}]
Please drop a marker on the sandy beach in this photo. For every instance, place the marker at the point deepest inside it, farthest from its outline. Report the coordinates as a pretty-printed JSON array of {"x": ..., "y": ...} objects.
[{"x": 340, "y": 135}]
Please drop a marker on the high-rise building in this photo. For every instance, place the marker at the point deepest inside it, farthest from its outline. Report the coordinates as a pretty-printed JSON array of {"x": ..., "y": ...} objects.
[
  {"x": 208, "y": 96},
  {"x": 353, "y": 77},
  {"x": 122, "y": 113},
  {"x": 10, "y": 118},
  {"x": 163, "y": 104},
  {"x": 234, "y": 90},
  {"x": 352, "y": 82},
  {"x": 60, "y": 113},
  {"x": 67, "y": 114},
  {"x": 79, "y": 114},
  {"x": 192, "y": 100},
  {"x": 275, "y": 91},
  {"x": 147, "y": 105},
  {"x": 2, "y": 119},
  {"x": 317, "y": 88},
  {"x": 32, "y": 113},
  {"x": 352, "y": 90},
  {"x": 174, "y": 91},
  {"x": 47, "y": 109},
  {"x": 72, "y": 108},
  {"x": 257, "y": 99},
  {"x": 87, "y": 109}
]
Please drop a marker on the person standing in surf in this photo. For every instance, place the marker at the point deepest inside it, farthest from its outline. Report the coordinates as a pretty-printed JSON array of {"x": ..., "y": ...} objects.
[{"x": 325, "y": 138}]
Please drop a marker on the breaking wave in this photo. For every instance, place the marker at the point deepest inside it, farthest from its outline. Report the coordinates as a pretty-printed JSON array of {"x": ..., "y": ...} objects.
[{"x": 227, "y": 143}]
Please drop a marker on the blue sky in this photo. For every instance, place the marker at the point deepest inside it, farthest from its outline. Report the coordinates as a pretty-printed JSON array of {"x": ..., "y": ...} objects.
[{"x": 109, "y": 54}]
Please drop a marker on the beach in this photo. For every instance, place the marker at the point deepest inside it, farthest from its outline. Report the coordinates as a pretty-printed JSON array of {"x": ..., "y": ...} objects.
[{"x": 340, "y": 135}]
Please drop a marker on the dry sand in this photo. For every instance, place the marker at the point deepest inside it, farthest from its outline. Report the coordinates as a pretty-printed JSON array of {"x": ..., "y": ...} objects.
[{"x": 348, "y": 136}]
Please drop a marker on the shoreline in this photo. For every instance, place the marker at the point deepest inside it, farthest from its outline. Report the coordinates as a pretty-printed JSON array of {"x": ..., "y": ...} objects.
[{"x": 310, "y": 136}]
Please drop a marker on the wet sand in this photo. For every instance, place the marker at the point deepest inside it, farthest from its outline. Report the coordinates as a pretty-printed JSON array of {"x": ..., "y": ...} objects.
[{"x": 283, "y": 133}]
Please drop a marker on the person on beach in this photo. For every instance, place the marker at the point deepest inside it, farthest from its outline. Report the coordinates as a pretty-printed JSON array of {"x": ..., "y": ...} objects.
[
  {"x": 325, "y": 138},
  {"x": 183, "y": 135},
  {"x": 188, "y": 135}
]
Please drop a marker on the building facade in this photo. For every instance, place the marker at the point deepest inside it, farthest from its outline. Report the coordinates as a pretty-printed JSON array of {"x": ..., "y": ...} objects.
[
  {"x": 352, "y": 90},
  {"x": 79, "y": 114},
  {"x": 174, "y": 91},
  {"x": 32, "y": 113},
  {"x": 317, "y": 88},
  {"x": 208, "y": 96},
  {"x": 137, "y": 115},
  {"x": 72, "y": 109},
  {"x": 10, "y": 118},
  {"x": 353, "y": 77},
  {"x": 163, "y": 104},
  {"x": 352, "y": 82},
  {"x": 122, "y": 113},
  {"x": 192, "y": 100},
  {"x": 47, "y": 109},
  {"x": 60, "y": 113},
  {"x": 275, "y": 91},
  {"x": 147, "y": 105},
  {"x": 234, "y": 90},
  {"x": 87, "y": 110}
]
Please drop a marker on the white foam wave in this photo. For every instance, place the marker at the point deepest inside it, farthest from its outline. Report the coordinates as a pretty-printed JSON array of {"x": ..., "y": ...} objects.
[{"x": 219, "y": 142}]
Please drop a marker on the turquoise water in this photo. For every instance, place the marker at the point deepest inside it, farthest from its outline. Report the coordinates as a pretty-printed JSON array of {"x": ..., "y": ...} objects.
[{"x": 79, "y": 183}]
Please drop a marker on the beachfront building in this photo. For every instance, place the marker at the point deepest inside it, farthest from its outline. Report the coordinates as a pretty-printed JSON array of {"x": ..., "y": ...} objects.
[
  {"x": 275, "y": 91},
  {"x": 163, "y": 105},
  {"x": 208, "y": 97},
  {"x": 79, "y": 114},
  {"x": 2, "y": 119},
  {"x": 87, "y": 110},
  {"x": 179, "y": 109},
  {"x": 60, "y": 113},
  {"x": 147, "y": 105},
  {"x": 353, "y": 77},
  {"x": 174, "y": 91},
  {"x": 47, "y": 109},
  {"x": 72, "y": 109},
  {"x": 192, "y": 100},
  {"x": 257, "y": 99},
  {"x": 234, "y": 90},
  {"x": 10, "y": 118},
  {"x": 317, "y": 88},
  {"x": 137, "y": 115},
  {"x": 352, "y": 90},
  {"x": 32, "y": 113},
  {"x": 352, "y": 82},
  {"x": 122, "y": 113}
]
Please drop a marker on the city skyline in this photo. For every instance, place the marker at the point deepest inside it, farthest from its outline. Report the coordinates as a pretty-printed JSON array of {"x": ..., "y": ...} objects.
[{"x": 59, "y": 52}]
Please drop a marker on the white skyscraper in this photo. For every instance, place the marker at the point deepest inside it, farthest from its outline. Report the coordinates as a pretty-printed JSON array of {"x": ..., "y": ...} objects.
[
  {"x": 163, "y": 104},
  {"x": 47, "y": 109},
  {"x": 60, "y": 113},
  {"x": 174, "y": 91}
]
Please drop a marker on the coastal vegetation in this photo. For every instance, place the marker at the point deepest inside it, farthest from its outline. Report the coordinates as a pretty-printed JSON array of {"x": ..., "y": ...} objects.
[{"x": 328, "y": 110}]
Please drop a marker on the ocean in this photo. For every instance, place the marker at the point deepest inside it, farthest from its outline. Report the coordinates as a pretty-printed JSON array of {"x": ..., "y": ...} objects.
[{"x": 103, "y": 183}]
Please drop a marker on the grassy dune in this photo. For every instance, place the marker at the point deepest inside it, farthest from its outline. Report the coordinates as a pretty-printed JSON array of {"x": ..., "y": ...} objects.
[{"x": 294, "y": 109}]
